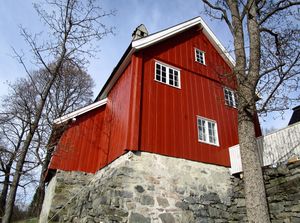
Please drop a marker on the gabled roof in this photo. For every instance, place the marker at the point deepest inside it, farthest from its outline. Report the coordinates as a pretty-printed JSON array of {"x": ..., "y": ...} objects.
[
  {"x": 156, "y": 38},
  {"x": 143, "y": 43}
]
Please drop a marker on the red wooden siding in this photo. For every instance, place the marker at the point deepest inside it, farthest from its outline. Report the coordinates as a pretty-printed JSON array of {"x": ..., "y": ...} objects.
[
  {"x": 135, "y": 106},
  {"x": 169, "y": 114},
  {"x": 99, "y": 136},
  {"x": 80, "y": 147},
  {"x": 118, "y": 114}
]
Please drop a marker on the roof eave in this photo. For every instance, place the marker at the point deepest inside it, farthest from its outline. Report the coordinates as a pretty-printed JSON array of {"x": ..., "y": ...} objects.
[
  {"x": 217, "y": 44},
  {"x": 115, "y": 75},
  {"x": 80, "y": 111}
]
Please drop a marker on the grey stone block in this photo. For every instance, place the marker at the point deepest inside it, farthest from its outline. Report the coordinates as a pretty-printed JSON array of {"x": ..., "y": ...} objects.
[
  {"x": 138, "y": 218},
  {"x": 167, "y": 218}
]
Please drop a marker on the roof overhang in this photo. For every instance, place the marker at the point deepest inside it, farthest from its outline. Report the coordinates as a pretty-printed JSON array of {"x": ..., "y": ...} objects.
[
  {"x": 116, "y": 73},
  {"x": 156, "y": 38},
  {"x": 78, "y": 112}
]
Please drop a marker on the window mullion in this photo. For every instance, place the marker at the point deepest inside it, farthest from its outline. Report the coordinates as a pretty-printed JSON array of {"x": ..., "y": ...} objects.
[
  {"x": 168, "y": 75},
  {"x": 206, "y": 131}
]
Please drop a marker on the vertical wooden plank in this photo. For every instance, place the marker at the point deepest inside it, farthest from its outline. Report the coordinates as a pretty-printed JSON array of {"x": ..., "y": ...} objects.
[{"x": 135, "y": 103}]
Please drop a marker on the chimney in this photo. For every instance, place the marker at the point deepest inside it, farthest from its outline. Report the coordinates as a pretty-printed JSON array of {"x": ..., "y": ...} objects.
[
  {"x": 140, "y": 32},
  {"x": 295, "y": 116}
]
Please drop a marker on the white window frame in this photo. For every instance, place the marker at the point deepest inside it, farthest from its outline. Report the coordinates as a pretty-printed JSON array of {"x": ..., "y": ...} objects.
[
  {"x": 233, "y": 95},
  {"x": 168, "y": 68},
  {"x": 203, "y": 56},
  {"x": 206, "y": 132}
]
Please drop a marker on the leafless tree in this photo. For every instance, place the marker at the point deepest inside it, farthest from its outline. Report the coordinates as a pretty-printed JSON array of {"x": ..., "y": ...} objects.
[
  {"x": 266, "y": 47},
  {"x": 17, "y": 108},
  {"x": 71, "y": 91},
  {"x": 74, "y": 29}
]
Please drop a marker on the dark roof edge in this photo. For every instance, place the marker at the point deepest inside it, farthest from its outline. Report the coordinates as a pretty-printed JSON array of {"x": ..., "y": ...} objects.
[{"x": 113, "y": 72}]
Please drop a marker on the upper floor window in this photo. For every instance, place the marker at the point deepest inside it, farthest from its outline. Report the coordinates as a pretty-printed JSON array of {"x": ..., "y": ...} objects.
[
  {"x": 207, "y": 131},
  {"x": 230, "y": 98},
  {"x": 166, "y": 74},
  {"x": 200, "y": 56}
]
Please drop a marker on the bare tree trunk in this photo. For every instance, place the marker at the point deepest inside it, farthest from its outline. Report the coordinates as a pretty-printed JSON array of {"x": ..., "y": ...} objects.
[
  {"x": 4, "y": 191},
  {"x": 13, "y": 189},
  {"x": 37, "y": 202},
  {"x": 23, "y": 152},
  {"x": 256, "y": 203},
  {"x": 256, "y": 200},
  {"x": 253, "y": 23},
  {"x": 38, "y": 198}
]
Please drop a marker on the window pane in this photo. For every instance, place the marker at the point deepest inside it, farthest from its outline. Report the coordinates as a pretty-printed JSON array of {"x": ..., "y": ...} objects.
[
  {"x": 211, "y": 132},
  {"x": 229, "y": 97},
  {"x": 201, "y": 130},
  {"x": 207, "y": 131},
  {"x": 171, "y": 76},
  {"x": 200, "y": 56},
  {"x": 176, "y": 78},
  {"x": 163, "y": 74},
  {"x": 158, "y": 72}
]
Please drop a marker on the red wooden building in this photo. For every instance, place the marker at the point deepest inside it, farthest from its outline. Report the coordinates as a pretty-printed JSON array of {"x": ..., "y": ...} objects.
[{"x": 172, "y": 93}]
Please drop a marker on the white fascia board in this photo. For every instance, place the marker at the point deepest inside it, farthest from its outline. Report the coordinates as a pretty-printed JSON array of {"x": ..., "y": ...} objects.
[
  {"x": 79, "y": 112},
  {"x": 217, "y": 44},
  {"x": 154, "y": 38},
  {"x": 117, "y": 74}
]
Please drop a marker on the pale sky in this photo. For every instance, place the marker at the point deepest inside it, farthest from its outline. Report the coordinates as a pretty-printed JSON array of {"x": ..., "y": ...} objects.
[{"x": 154, "y": 14}]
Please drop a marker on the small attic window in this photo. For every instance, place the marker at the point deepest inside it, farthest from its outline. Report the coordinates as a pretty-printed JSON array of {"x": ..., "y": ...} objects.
[
  {"x": 230, "y": 97},
  {"x": 200, "y": 56}
]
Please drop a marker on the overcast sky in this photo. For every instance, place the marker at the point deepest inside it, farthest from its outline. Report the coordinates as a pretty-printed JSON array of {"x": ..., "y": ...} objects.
[{"x": 154, "y": 14}]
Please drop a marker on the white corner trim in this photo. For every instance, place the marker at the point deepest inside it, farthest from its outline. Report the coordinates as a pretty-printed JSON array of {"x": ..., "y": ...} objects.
[{"x": 79, "y": 112}]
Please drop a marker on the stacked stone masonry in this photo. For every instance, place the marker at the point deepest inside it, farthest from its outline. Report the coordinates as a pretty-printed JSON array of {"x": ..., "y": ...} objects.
[{"x": 145, "y": 187}]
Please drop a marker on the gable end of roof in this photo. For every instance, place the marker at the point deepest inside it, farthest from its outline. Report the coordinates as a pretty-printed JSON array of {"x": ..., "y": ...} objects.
[{"x": 156, "y": 38}]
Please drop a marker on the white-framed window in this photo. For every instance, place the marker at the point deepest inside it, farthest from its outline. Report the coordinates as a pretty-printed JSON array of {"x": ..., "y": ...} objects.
[
  {"x": 207, "y": 131},
  {"x": 200, "y": 56},
  {"x": 230, "y": 97},
  {"x": 167, "y": 74}
]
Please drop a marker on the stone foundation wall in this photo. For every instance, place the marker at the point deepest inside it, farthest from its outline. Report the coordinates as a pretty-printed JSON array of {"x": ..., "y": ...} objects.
[
  {"x": 283, "y": 193},
  {"x": 62, "y": 187},
  {"x": 145, "y": 187}
]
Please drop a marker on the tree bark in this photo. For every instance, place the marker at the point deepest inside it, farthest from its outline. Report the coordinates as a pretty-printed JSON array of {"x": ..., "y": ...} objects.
[
  {"x": 256, "y": 201},
  {"x": 5, "y": 187},
  {"x": 38, "y": 198}
]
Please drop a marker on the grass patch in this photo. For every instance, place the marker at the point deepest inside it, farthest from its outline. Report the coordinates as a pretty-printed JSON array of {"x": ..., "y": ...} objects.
[{"x": 32, "y": 220}]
